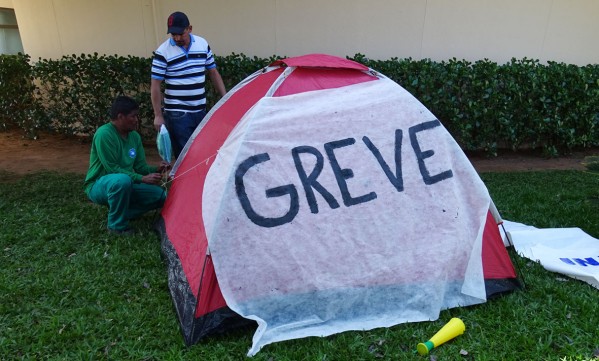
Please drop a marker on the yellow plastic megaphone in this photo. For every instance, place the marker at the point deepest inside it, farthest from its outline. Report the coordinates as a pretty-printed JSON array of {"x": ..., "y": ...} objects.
[{"x": 452, "y": 329}]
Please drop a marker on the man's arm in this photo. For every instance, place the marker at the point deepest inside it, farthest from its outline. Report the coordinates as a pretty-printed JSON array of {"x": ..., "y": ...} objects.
[
  {"x": 150, "y": 174},
  {"x": 156, "y": 96},
  {"x": 217, "y": 81}
]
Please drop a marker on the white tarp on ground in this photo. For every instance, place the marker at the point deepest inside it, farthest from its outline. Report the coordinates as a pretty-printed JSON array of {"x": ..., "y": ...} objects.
[
  {"x": 343, "y": 209},
  {"x": 569, "y": 251}
]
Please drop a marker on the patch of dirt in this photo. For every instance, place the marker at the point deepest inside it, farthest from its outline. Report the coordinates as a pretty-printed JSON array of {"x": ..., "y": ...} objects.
[
  {"x": 71, "y": 154},
  {"x": 50, "y": 152},
  {"x": 529, "y": 161}
]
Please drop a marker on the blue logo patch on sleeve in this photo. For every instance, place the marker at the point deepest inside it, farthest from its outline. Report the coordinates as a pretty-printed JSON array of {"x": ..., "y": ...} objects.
[{"x": 132, "y": 153}]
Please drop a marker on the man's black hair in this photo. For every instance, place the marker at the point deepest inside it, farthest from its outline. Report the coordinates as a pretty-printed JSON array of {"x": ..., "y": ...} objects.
[{"x": 123, "y": 105}]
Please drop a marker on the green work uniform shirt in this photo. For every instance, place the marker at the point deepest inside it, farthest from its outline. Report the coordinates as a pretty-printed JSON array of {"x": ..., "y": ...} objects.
[{"x": 111, "y": 153}]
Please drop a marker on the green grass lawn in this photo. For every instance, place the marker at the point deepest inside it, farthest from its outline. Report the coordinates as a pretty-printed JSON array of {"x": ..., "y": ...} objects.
[{"x": 71, "y": 291}]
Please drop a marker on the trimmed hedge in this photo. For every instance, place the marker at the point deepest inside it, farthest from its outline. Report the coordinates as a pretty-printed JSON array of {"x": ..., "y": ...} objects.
[
  {"x": 519, "y": 104},
  {"x": 17, "y": 103},
  {"x": 76, "y": 92},
  {"x": 484, "y": 105}
]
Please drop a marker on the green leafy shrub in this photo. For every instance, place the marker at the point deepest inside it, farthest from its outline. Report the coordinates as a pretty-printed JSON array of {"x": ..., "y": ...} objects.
[
  {"x": 520, "y": 104},
  {"x": 17, "y": 105},
  {"x": 76, "y": 91},
  {"x": 484, "y": 105}
]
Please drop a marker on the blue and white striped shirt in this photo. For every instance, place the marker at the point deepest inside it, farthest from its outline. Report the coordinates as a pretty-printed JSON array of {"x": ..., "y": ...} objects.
[{"x": 184, "y": 73}]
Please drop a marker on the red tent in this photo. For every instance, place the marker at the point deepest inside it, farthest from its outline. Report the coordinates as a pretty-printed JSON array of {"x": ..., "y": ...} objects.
[{"x": 193, "y": 283}]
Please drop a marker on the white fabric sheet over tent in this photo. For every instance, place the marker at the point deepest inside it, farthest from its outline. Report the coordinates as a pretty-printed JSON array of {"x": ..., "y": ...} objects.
[
  {"x": 372, "y": 254},
  {"x": 569, "y": 251}
]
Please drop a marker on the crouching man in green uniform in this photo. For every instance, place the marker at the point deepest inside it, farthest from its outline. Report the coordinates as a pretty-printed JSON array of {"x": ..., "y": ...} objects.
[{"x": 118, "y": 175}]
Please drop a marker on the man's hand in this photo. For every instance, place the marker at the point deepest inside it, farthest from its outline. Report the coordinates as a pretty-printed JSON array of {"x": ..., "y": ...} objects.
[
  {"x": 152, "y": 178},
  {"x": 164, "y": 167},
  {"x": 158, "y": 121}
]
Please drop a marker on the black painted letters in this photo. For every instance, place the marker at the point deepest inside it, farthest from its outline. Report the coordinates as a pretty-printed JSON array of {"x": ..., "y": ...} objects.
[{"x": 309, "y": 178}]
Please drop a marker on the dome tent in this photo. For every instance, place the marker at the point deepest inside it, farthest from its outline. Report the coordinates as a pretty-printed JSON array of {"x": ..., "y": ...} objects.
[{"x": 319, "y": 196}]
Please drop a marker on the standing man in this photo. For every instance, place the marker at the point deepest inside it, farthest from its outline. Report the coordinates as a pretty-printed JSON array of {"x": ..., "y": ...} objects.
[
  {"x": 183, "y": 61},
  {"x": 118, "y": 175}
]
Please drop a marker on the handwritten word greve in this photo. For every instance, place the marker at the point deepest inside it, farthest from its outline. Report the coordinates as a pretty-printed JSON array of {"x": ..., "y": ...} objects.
[{"x": 309, "y": 180}]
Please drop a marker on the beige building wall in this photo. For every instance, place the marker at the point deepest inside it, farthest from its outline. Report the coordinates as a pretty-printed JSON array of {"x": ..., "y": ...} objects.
[
  {"x": 53, "y": 28},
  {"x": 556, "y": 30}
]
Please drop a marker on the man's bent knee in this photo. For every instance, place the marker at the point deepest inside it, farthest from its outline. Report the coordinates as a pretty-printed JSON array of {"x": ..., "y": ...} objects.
[{"x": 119, "y": 183}]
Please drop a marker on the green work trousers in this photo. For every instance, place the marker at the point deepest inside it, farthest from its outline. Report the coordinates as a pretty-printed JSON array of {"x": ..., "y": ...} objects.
[{"x": 125, "y": 200}]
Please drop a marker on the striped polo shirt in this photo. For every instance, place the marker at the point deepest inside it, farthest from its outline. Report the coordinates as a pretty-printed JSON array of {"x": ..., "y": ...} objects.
[{"x": 184, "y": 73}]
